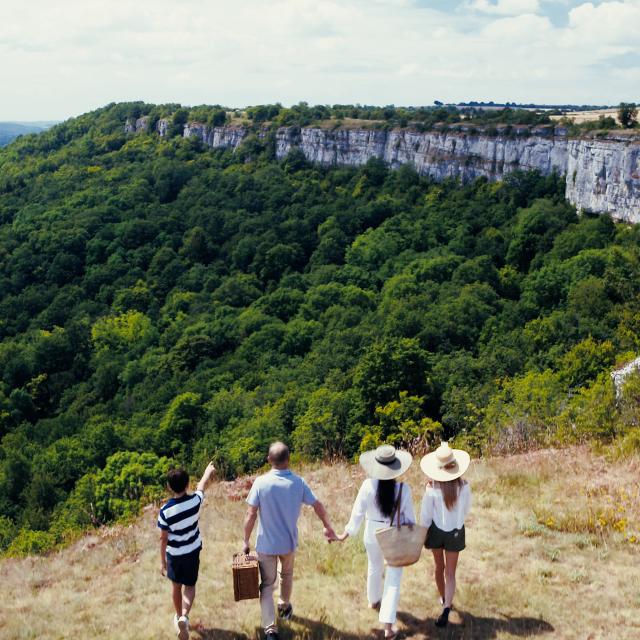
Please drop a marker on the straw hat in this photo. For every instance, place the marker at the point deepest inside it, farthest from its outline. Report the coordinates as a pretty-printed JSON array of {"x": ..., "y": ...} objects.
[
  {"x": 386, "y": 462},
  {"x": 445, "y": 463}
]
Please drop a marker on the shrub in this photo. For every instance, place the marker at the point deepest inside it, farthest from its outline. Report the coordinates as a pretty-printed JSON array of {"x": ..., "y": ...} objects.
[
  {"x": 29, "y": 542},
  {"x": 128, "y": 481},
  {"x": 8, "y": 531}
]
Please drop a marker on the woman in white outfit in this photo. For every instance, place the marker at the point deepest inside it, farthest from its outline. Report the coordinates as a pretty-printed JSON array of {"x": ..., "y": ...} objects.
[
  {"x": 376, "y": 505},
  {"x": 445, "y": 506}
]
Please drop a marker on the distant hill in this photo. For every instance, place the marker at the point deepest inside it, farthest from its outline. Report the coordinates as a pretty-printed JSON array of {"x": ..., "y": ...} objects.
[{"x": 11, "y": 130}]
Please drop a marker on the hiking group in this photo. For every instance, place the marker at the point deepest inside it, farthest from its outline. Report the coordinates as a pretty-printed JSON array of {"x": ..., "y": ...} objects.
[{"x": 384, "y": 504}]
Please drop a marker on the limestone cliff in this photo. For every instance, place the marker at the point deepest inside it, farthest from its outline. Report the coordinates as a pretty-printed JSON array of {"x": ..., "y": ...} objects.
[
  {"x": 217, "y": 137},
  {"x": 602, "y": 173},
  {"x": 439, "y": 154}
]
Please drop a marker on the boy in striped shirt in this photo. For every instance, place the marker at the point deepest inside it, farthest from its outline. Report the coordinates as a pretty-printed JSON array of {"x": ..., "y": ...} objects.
[{"x": 180, "y": 542}]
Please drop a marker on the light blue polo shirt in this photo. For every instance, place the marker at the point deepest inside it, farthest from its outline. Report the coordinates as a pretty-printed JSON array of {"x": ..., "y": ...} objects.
[{"x": 279, "y": 496}]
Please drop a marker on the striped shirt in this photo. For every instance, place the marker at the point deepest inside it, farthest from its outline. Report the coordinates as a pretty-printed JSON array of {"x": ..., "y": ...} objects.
[{"x": 180, "y": 518}]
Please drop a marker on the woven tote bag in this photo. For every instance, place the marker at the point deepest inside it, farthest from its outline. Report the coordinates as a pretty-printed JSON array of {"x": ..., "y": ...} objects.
[{"x": 401, "y": 544}]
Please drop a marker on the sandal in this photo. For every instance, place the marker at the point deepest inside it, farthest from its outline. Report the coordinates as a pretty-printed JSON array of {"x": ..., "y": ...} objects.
[{"x": 443, "y": 619}]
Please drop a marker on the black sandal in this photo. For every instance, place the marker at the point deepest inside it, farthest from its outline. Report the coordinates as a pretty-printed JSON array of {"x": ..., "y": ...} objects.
[{"x": 443, "y": 619}]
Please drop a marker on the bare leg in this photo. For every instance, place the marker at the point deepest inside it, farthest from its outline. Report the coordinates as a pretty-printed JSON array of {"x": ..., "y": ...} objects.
[
  {"x": 438, "y": 557},
  {"x": 451, "y": 558},
  {"x": 188, "y": 595},
  {"x": 176, "y": 595}
]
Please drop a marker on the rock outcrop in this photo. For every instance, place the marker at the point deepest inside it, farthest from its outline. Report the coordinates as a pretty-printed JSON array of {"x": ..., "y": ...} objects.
[
  {"x": 620, "y": 376},
  {"x": 438, "y": 154},
  {"x": 217, "y": 137},
  {"x": 602, "y": 173}
]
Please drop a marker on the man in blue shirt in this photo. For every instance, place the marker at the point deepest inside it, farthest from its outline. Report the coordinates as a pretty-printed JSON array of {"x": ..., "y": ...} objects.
[{"x": 278, "y": 496}]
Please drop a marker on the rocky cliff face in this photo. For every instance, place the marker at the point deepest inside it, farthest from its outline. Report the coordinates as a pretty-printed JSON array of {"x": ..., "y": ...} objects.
[
  {"x": 218, "y": 137},
  {"x": 603, "y": 174},
  {"x": 439, "y": 154}
]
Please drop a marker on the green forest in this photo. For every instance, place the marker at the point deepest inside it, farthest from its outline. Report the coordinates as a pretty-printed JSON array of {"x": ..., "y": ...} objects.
[{"x": 163, "y": 303}]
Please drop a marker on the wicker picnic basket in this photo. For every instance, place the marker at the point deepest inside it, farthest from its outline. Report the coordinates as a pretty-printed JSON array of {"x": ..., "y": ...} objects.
[{"x": 245, "y": 577}]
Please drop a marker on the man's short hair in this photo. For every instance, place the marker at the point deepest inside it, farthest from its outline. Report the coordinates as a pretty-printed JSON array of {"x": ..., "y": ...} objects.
[
  {"x": 278, "y": 453},
  {"x": 178, "y": 480}
]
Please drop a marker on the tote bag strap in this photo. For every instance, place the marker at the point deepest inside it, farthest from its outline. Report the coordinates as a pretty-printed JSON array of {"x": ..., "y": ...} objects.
[{"x": 396, "y": 511}]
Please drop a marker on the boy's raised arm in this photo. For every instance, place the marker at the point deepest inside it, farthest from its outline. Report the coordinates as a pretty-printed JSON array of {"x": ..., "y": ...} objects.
[{"x": 206, "y": 477}]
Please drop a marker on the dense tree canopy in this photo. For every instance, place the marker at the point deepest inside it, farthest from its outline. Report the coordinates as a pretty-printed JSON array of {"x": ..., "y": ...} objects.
[{"x": 162, "y": 301}]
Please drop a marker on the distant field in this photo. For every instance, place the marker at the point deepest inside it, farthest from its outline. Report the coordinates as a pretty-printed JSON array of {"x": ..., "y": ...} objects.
[
  {"x": 539, "y": 564},
  {"x": 587, "y": 116}
]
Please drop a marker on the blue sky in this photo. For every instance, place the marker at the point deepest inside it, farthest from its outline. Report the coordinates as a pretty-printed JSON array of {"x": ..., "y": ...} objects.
[{"x": 63, "y": 58}]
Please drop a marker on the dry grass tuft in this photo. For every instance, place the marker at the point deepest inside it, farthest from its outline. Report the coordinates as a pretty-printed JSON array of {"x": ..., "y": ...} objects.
[{"x": 538, "y": 563}]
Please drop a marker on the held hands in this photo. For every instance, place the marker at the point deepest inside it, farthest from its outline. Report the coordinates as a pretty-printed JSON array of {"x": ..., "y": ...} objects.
[
  {"x": 329, "y": 534},
  {"x": 337, "y": 538}
]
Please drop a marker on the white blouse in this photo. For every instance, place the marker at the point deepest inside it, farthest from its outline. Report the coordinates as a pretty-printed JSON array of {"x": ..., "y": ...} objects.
[
  {"x": 434, "y": 509},
  {"x": 365, "y": 507}
]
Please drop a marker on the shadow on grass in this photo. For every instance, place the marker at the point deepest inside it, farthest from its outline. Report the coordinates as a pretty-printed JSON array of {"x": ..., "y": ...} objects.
[
  {"x": 470, "y": 628},
  {"x": 474, "y": 627},
  {"x": 204, "y": 633},
  {"x": 302, "y": 628}
]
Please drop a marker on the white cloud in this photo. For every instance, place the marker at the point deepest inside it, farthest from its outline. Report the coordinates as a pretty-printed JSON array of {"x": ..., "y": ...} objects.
[
  {"x": 505, "y": 7},
  {"x": 64, "y": 58},
  {"x": 609, "y": 22}
]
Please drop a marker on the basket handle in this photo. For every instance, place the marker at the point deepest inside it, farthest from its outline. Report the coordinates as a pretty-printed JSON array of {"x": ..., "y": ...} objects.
[{"x": 397, "y": 509}]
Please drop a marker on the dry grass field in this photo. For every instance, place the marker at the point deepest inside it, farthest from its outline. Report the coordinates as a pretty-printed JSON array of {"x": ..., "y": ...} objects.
[
  {"x": 588, "y": 116},
  {"x": 550, "y": 553}
]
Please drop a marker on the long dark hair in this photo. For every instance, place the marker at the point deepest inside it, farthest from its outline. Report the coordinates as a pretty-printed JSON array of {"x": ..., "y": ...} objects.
[{"x": 386, "y": 497}]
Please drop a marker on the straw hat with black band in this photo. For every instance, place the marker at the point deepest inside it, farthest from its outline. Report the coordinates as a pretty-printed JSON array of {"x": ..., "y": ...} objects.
[
  {"x": 445, "y": 463},
  {"x": 386, "y": 462}
]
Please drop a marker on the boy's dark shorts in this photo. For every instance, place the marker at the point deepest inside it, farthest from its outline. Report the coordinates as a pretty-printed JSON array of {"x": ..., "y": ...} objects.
[
  {"x": 184, "y": 569},
  {"x": 447, "y": 540}
]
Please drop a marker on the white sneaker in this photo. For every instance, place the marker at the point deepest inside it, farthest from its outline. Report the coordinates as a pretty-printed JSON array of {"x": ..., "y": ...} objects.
[
  {"x": 183, "y": 628},
  {"x": 175, "y": 623}
]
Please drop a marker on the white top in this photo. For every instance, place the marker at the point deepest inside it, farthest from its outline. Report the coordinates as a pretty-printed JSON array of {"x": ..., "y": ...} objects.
[
  {"x": 365, "y": 507},
  {"x": 434, "y": 509}
]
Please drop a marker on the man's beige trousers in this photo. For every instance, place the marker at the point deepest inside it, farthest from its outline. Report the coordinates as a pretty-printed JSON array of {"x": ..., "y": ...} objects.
[{"x": 268, "y": 574}]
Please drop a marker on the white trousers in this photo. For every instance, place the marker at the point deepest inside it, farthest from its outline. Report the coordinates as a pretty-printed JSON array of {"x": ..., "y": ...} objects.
[{"x": 385, "y": 590}]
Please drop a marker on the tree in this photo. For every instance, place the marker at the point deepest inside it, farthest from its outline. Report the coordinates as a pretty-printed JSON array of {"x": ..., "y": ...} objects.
[
  {"x": 320, "y": 430},
  {"x": 180, "y": 118},
  {"x": 628, "y": 114},
  {"x": 217, "y": 118},
  {"x": 180, "y": 423},
  {"x": 390, "y": 366},
  {"x": 402, "y": 422}
]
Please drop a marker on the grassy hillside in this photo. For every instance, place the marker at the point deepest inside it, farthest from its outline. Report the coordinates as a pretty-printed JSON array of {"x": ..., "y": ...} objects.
[
  {"x": 164, "y": 303},
  {"x": 525, "y": 573}
]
